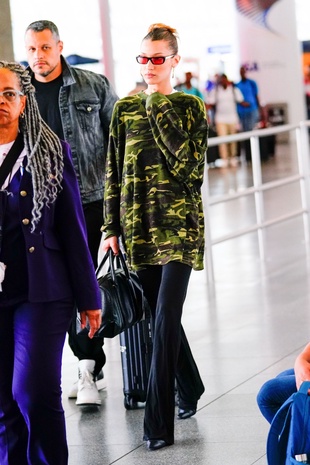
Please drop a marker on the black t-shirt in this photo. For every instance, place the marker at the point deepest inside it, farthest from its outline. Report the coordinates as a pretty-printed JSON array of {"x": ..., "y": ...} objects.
[{"x": 47, "y": 95}]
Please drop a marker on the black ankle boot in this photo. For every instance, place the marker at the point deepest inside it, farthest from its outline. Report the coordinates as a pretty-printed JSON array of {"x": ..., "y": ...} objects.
[
  {"x": 186, "y": 413},
  {"x": 155, "y": 444}
]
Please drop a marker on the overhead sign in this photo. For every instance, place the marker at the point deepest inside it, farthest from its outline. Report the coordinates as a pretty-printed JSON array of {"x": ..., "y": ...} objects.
[{"x": 219, "y": 49}]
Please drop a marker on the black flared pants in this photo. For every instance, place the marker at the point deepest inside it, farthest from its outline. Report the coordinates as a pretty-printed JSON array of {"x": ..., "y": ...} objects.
[{"x": 165, "y": 287}]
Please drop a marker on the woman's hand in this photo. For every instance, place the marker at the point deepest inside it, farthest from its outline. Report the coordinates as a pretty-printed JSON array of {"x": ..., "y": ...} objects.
[
  {"x": 302, "y": 372},
  {"x": 302, "y": 366},
  {"x": 111, "y": 242},
  {"x": 94, "y": 320}
]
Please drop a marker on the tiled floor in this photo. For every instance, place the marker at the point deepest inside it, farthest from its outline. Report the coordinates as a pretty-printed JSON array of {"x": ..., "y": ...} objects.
[{"x": 243, "y": 330}]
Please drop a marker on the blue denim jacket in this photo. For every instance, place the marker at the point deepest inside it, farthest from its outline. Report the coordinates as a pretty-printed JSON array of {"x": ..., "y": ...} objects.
[{"x": 86, "y": 101}]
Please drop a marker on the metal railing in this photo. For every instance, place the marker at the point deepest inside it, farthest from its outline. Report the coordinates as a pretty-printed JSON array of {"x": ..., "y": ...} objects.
[{"x": 303, "y": 177}]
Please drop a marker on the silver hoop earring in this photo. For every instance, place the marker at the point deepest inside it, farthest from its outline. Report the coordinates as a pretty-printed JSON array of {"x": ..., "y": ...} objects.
[{"x": 172, "y": 72}]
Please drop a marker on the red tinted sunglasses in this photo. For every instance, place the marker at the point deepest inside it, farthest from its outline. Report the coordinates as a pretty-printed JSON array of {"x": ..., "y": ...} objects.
[{"x": 154, "y": 60}]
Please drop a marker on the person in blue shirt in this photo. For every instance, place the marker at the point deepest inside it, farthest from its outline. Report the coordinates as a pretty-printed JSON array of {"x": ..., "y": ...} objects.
[{"x": 249, "y": 110}]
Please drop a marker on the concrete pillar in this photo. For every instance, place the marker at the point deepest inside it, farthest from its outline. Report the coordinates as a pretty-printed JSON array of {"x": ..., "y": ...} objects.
[
  {"x": 107, "y": 50},
  {"x": 6, "y": 39},
  {"x": 269, "y": 47}
]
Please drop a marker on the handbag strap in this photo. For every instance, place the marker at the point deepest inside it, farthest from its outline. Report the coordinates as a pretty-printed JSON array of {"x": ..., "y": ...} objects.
[
  {"x": 123, "y": 264},
  {"x": 113, "y": 261},
  {"x": 11, "y": 158}
]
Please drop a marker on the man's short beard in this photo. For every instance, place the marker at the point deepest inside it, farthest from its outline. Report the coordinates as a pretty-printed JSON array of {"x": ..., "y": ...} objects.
[{"x": 47, "y": 73}]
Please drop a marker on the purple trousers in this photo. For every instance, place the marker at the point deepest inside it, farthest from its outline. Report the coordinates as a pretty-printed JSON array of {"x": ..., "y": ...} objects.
[{"x": 32, "y": 423}]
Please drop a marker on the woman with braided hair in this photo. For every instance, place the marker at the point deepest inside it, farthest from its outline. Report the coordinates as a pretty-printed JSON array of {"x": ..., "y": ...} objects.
[{"x": 46, "y": 269}]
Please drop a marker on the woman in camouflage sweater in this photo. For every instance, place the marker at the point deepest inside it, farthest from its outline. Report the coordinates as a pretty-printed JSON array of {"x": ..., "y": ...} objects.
[{"x": 154, "y": 172}]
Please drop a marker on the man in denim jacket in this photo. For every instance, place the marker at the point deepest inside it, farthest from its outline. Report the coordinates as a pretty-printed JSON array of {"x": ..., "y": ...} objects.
[{"x": 77, "y": 104}]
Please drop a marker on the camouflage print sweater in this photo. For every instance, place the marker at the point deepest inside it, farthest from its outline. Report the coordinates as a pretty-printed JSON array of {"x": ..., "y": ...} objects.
[{"x": 154, "y": 172}]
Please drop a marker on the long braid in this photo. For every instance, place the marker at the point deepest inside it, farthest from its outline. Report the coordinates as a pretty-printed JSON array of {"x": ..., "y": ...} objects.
[{"x": 43, "y": 147}]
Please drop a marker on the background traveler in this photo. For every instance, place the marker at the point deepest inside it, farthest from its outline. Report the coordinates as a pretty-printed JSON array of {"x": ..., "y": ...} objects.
[
  {"x": 188, "y": 87},
  {"x": 249, "y": 110},
  {"x": 77, "y": 104},
  {"x": 224, "y": 98}
]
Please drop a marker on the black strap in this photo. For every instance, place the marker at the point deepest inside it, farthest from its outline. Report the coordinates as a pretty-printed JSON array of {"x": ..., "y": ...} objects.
[{"x": 11, "y": 158}]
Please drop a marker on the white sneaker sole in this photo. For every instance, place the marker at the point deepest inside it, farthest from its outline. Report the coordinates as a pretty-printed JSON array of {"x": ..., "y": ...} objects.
[
  {"x": 96, "y": 402},
  {"x": 101, "y": 384}
]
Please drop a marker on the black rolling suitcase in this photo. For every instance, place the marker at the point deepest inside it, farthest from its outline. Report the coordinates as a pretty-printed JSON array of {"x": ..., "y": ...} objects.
[
  {"x": 266, "y": 148},
  {"x": 212, "y": 152},
  {"x": 136, "y": 353},
  {"x": 267, "y": 145}
]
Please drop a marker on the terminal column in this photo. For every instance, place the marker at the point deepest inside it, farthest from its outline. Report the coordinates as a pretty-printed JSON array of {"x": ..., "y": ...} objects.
[{"x": 6, "y": 39}]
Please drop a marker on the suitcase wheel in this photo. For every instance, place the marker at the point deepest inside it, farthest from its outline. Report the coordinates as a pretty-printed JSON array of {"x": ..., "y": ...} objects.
[{"x": 130, "y": 403}]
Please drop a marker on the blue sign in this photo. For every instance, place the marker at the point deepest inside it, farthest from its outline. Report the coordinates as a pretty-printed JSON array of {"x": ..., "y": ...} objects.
[{"x": 219, "y": 49}]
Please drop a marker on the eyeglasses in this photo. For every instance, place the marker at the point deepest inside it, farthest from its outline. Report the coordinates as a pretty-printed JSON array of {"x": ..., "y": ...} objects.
[
  {"x": 154, "y": 60},
  {"x": 10, "y": 95}
]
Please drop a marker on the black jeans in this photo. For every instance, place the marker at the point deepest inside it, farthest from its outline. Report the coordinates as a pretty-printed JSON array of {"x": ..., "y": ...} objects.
[
  {"x": 93, "y": 213},
  {"x": 83, "y": 347},
  {"x": 165, "y": 288}
]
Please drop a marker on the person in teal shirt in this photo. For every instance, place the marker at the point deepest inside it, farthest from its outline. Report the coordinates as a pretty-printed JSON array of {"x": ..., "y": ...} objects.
[{"x": 188, "y": 88}]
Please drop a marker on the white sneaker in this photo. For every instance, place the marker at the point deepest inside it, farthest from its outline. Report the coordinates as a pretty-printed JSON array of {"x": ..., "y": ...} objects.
[
  {"x": 87, "y": 393},
  {"x": 100, "y": 382},
  {"x": 221, "y": 163}
]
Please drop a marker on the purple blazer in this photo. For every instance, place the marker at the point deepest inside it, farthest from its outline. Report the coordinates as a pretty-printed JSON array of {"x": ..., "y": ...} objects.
[{"x": 58, "y": 260}]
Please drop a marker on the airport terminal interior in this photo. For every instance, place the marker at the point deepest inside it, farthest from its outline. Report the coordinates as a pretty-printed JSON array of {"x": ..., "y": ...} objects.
[{"x": 244, "y": 327}]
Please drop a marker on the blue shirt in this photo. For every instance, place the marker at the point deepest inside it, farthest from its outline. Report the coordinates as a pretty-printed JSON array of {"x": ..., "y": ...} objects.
[{"x": 249, "y": 90}]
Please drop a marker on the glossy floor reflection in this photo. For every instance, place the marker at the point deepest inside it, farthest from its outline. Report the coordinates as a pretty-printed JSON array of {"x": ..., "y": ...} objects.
[{"x": 243, "y": 330}]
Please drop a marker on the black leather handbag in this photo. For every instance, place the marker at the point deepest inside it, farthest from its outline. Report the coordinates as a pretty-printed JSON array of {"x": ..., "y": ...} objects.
[{"x": 122, "y": 297}]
